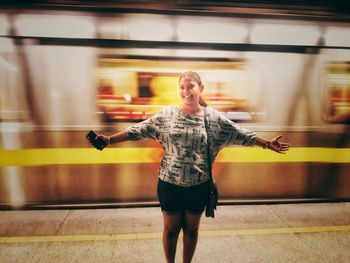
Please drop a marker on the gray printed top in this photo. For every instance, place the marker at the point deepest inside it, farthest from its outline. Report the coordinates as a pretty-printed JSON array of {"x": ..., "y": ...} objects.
[{"x": 184, "y": 141}]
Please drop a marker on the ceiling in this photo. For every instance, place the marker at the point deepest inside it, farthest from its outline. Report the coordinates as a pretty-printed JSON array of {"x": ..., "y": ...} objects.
[{"x": 336, "y": 10}]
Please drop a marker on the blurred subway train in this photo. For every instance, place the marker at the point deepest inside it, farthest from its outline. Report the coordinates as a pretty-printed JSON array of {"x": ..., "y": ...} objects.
[{"x": 63, "y": 73}]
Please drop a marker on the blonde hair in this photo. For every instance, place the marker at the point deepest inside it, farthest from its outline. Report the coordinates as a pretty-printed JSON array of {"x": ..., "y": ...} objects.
[{"x": 197, "y": 78}]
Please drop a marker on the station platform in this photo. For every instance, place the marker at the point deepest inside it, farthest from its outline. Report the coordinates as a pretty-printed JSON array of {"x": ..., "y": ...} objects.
[{"x": 304, "y": 232}]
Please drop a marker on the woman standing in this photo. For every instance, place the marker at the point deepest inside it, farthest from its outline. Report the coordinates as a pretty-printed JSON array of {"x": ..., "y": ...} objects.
[{"x": 183, "y": 185}]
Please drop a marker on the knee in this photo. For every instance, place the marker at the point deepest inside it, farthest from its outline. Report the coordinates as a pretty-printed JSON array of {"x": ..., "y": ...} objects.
[
  {"x": 171, "y": 232},
  {"x": 191, "y": 230}
]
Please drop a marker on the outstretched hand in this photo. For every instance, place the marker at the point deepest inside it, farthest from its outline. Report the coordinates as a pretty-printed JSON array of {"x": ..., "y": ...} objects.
[
  {"x": 277, "y": 146},
  {"x": 102, "y": 137},
  {"x": 98, "y": 141}
]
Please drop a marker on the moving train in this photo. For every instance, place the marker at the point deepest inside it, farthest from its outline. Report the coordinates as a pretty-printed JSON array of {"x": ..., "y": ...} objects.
[{"x": 65, "y": 73}]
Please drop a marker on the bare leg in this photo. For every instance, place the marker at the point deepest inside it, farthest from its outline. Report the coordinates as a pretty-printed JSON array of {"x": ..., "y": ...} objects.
[
  {"x": 171, "y": 230},
  {"x": 190, "y": 230}
]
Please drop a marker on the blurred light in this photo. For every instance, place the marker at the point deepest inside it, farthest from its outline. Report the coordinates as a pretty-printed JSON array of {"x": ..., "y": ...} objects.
[
  {"x": 55, "y": 26},
  {"x": 210, "y": 30},
  {"x": 6, "y": 45},
  {"x": 127, "y": 97},
  {"x": 190, "y": 53},
  {"x": 284, "y": 34},
  {"x": 140, "y": 52},
  {"x": 4, "y": 25},
  {"x": 11, "y": 127},
  {"x": 12, "y": 175},
  {"x": 12, "y": 179},
  {"x": 7, "y": 65},
  {"x": 337, "y": 36},
  {"x": 207, "y": 53}
]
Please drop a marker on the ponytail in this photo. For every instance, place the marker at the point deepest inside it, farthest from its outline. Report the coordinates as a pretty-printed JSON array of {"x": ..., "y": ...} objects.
[{"x": 202, "y": 102}]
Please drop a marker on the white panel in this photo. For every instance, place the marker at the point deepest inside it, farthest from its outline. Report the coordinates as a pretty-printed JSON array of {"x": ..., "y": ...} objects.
[
  {"x": 285, "y": 34},
  {"x": 6, "y": 45},
  {"x": 137, "y": 27},
  {"x": 149, "y": 28},
  {"x": 200, "y": 29},
  {"x": 112, "y": 28},
  {"x": 55, "y": 26},
  {"x": 338, "y": 36},
  {"x": 3, "y": 25}
]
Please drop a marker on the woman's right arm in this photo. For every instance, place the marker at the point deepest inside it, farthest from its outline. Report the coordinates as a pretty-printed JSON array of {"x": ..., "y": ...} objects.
[
  {"x": 115, "y": 138},
  {"x": 145, "y": 129}
]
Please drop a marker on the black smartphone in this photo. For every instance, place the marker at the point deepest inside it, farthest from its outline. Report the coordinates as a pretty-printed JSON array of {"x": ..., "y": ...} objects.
[{"x": 98, "y": 143}]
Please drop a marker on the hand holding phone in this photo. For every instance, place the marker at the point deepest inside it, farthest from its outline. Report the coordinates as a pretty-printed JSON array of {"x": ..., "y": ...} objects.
[{"x": 98, "y": 143}]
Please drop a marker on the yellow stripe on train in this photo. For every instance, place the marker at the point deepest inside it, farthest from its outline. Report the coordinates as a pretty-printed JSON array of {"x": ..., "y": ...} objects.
[{"x": 49, "y": 156}]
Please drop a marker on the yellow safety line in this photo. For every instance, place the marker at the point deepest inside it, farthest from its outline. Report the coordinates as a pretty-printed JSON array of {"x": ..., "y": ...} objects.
[
  {"x": 142, "y": 236},
  {"x": 35, "y": 157}
]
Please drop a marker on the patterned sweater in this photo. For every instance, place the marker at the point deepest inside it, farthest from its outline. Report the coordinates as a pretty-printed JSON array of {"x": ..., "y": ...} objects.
[{"x": 184, "y": 142}]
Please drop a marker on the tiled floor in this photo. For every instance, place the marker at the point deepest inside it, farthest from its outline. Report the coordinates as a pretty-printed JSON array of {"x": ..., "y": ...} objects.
[{"x": 242, "y": 233}]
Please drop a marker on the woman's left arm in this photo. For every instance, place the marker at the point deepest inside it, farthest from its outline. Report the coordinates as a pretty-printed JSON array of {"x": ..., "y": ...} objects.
[{"x": 273, "y": 144}]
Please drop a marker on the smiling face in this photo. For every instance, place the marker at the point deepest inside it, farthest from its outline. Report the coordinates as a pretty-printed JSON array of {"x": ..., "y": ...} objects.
[{"x": 190, "y": 90}]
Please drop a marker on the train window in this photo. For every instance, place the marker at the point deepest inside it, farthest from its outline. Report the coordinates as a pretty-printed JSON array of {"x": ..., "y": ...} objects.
[
  {"x": 337, "y": 99},
  {"x": 135, "y": 89}
]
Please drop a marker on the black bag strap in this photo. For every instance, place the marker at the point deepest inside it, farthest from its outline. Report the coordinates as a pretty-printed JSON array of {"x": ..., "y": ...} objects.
[{"x": 206, "y": 125}]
